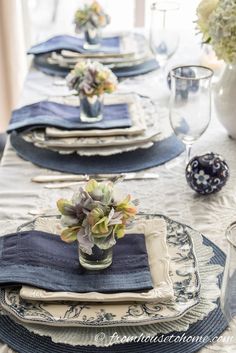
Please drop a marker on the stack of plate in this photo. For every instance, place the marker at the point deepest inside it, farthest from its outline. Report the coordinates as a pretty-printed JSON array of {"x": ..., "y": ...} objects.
[
  {"x": 142, "y": 133},
  {"x": 181, "y": 276},
  {"x": 134, "y": 50},
  {"x": 134, "y": 56},
  {"x": 175, "y": 277}
]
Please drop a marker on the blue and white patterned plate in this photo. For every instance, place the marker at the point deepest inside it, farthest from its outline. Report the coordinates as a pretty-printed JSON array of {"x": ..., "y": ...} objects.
[{"x": 186, "y": 286}]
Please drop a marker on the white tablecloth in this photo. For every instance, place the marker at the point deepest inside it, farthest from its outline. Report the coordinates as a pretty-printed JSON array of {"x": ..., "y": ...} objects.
[{"x": 169, "y": 194}]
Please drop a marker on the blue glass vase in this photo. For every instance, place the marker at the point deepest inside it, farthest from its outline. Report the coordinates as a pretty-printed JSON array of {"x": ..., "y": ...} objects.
[
  {"x": 91, "y": 108},
  {"x": 92, "y": 38}
]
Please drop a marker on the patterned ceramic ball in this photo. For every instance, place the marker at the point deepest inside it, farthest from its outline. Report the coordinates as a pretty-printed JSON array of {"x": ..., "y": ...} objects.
[{"x": 207, "y": 174}]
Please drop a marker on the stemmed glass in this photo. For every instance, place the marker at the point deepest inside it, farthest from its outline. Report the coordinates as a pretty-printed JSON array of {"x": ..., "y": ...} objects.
[
  {"x": 190, "y": 103},
  {"x": 228, "y": 290},
  {"x": 163, "y": 36}
]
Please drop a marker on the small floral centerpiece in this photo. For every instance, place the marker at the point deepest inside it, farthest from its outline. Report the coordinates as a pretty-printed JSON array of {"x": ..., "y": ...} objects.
[
  {"x": 217, "y": 22},
  {"x": 91, "y": 80},
  {"x": 90, "y": 19},
  {"x": 95, "y": 218}
]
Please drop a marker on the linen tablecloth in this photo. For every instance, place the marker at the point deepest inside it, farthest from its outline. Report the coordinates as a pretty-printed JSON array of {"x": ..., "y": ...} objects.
[{"x": 169, "y": 194}]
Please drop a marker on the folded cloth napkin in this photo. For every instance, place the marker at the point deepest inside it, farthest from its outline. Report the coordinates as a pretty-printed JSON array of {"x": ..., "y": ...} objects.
[
  {"x": 66, "y": 42},
  {"x": 44, "y": 260},
  {"x": 65, "y": 116}
]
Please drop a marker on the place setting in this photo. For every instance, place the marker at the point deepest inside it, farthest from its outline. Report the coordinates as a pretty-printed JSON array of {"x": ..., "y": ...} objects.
[
  {"x": 85, "y": 131},
  {"x": 99, "y": 264},
  {"x": 126, "y": 54}
]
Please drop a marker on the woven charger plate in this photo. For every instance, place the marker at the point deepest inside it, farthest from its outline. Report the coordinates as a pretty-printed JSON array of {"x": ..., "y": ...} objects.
[
  {"x": 21, "y": 340},
  {"x": 41, "y": 63},
  {"x": 140, "y": 159}
]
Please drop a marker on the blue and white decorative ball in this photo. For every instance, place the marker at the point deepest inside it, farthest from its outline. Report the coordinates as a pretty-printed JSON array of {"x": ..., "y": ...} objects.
[{"x": 207, "y": 174}]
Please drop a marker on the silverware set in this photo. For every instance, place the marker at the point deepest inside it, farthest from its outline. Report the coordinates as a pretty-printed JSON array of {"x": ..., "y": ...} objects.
[{"x": 59, "y": 181}]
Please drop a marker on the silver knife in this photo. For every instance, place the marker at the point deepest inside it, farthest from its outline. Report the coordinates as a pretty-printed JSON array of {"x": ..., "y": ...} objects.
[
  {"x": 59, "y": 177},
  {"x": 74, "y": 177}
]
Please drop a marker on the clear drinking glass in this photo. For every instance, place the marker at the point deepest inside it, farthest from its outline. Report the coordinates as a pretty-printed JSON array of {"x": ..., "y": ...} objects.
[
  {"x": 190, "y": 103},
  {"x": 164, "y": 36},
  {"x": 228, "y": 290}
]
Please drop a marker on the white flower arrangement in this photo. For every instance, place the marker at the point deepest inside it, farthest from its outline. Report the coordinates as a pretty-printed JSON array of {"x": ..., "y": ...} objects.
[
  {"x": 217, "y": 22},
  {"x": 94, "y": 216},
  {"x": 91, "y": 78},
  {"x": 91, "y": 17}
]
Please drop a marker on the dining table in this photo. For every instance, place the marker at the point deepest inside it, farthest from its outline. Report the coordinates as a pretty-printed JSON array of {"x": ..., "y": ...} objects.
[{"x": 169, "y": 194}]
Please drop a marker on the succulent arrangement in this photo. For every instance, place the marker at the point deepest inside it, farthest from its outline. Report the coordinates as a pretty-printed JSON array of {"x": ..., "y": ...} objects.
[
  {"x": 91, "y": 78},
  {"x": 91, "y": 17},
  {"x": 217, "y": 22},
  {"x": 94, "y": 216}
]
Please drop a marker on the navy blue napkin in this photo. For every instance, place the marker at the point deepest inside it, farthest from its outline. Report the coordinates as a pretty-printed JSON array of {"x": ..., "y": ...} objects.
[
  {"x": 44, "y": 260},
  {"x": 211, "y": 327},
  {"x": 66, "y": 42},
  {"x": 65, "y": 116}
]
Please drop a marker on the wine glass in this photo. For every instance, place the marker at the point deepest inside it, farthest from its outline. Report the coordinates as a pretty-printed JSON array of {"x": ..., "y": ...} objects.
[
  {"x": 190, "y": 103},
  {"x": 228, "y": 290},
  {"x": 163, "y": 36}
]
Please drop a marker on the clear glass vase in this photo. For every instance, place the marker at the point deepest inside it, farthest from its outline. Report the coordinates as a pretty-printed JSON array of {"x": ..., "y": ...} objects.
[
  {"x": 98, "y": 260},
  {"x": 92, "y": 38},
  {"x": 228, "y": 290},
  {"x": 91, "y": 108}
]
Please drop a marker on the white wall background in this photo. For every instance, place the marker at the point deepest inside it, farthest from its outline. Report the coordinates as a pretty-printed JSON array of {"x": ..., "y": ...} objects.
[{"x": 56, "y": 16}]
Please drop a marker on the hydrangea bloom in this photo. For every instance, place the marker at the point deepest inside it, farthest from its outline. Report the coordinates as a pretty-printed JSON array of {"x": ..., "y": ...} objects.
[
  {"x": 95, "y": 217},
  {"x": 217, "y": 21},
  {"x": 91, "y": 78},
  {"x": 91, "y": 17},
  {"x": 204, "y": 11}
]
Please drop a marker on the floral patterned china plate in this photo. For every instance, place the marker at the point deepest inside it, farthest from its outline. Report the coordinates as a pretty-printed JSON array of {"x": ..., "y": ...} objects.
[{"x": 186, "y": 285}]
